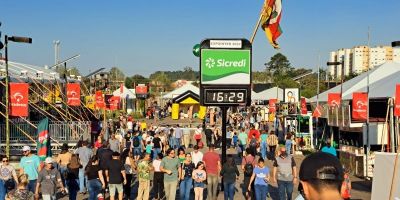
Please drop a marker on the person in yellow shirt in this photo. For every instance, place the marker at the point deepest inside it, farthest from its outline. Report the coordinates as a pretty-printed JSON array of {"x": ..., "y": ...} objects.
[{"x": 63, "y": 159}]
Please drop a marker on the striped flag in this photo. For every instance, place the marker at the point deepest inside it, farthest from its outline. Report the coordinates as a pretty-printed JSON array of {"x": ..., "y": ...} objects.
[
  {"x": 270, "y": 19},
  {"x": 43, "y": 144}
]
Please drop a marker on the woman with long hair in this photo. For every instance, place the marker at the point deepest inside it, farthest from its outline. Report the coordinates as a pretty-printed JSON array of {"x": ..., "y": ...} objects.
[
  {"x": 230, "y": 174},
  {"x": 181, "y": 155},
  {"x": 130, "y": 169},
  {"x": 72, "y": 177},
  {"x": 63, "y": 159},
  {"x": 199, "y": 175},
  {"x": 95, "y": 178},
  {"x": 158, "y": 180},
  {"x": 21, "y": 193},
  {"x": 186, "y": 177}
]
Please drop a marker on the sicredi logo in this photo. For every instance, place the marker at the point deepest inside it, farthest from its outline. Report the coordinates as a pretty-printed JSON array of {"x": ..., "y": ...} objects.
[{"x": 210, "y": 63}]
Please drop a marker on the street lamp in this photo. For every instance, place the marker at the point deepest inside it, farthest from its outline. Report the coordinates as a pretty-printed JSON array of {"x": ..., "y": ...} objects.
[{"x": 19, "y": 40}]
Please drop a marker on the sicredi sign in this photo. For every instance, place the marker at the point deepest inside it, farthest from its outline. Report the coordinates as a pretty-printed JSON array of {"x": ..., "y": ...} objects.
[{"x": 222, "y": 66}]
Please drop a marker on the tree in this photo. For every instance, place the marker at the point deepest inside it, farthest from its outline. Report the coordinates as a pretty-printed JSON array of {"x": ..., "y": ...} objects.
[
  {"x": 135, "y": 79},
  {"x": 116, "y": 74},
  {"x": 278, "y": 66}
]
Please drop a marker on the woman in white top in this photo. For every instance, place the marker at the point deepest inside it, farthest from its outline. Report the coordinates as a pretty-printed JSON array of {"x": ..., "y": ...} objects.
[
  {"x": 158, "y": 180},
  {"x": 6, "y": 177}
]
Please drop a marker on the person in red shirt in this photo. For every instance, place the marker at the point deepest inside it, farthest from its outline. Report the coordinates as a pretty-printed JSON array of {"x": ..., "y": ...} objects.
[
  {"x": 212, "y": 163},
  {"x": 253, "y": 131}
]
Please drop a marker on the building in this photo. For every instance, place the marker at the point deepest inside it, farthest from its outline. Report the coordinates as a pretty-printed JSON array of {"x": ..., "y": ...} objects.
[{"x": 359, "y": 58}]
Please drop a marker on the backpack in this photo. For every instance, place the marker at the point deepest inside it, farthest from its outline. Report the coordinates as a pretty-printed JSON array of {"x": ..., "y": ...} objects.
[
  {"x": 248, "y": 168},
  {"x": 253, "y": 142},
  {"x": 136, "y": 141}
]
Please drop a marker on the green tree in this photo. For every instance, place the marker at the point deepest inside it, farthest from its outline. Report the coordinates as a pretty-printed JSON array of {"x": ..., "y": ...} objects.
[
  {"x": 278, "y": 66},
  {"x": 135, "y": 79}
]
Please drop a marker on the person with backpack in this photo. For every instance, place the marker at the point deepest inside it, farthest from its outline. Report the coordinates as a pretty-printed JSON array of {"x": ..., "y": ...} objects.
[
  {"x": 248, "y": 163},
  {"x": 137, "y": 146},
  {"x": 253, "y": 144},
  {"x": 272, "y": 141}
]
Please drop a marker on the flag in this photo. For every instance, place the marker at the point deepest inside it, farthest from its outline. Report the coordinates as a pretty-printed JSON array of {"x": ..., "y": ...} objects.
[
  {"x": 303, "y": 107},
  {"x": 90, "y": 102},
  {"x": 73, "y": 94},
  {"x": 114, "y": 102},
  {"x": 272, "y": 105},
  {"x": 334, "y": 99},
  {"x": 43, "y": 144},
  {"x": 99, "y": 100},
  {"x": 121, "y": 89},
  {"x": 19, "y": 96},
  {"x": 397, "y": 101},
  {"x": 270, "y": 19},
  {"x": 360, "y": 101},
  {"x": 317, "y": 112}
]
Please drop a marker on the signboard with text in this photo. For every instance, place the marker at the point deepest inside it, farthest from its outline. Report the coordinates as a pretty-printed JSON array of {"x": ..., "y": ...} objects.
[{"x": 225, "y": 72}]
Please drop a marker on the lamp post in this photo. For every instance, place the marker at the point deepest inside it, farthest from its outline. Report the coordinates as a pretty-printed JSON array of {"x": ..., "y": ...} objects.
[{"x": 13, "y": 39}]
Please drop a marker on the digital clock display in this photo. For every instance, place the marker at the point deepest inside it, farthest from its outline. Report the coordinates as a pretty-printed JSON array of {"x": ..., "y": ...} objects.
[{"x": 225, "y": 96}]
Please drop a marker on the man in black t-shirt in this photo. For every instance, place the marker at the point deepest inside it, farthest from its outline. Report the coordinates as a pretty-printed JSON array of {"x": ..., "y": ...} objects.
[
  {"x": 157, "y": 145},
  {"x": 208, "y": 132},
  {"x": 116, "y": 176}
]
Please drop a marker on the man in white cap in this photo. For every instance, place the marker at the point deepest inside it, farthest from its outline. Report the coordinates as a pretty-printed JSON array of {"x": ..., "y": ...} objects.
[
  {"x": 47, "y": 181},
  {"x": 30, "y": 165}
]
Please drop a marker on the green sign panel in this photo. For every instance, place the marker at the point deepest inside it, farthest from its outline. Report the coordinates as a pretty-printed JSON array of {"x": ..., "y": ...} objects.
[{"x": 225, "y": 67}]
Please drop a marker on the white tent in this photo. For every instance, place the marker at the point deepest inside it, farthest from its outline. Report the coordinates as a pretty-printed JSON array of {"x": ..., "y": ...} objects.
[
  {"x": 271, "y": 93},
  {"x": 181, "y": 90},
  {"x": 382, "y": 82},
  {"x": 126, "y": 93}
]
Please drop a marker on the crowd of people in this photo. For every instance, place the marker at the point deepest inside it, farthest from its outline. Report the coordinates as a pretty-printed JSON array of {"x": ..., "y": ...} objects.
[{"x": 167, "y": 161}]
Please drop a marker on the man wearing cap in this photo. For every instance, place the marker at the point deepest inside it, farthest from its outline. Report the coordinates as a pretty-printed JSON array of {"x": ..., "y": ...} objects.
[
  {"x": 284, "y": 173},
  {"x": 321, "y": 177},
  {"x": 47, "y": 181},
  {"x": 30, "y": 165}
]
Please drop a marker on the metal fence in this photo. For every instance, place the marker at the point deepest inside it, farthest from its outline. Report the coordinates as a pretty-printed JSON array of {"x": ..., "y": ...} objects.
[{"x": 59, "y": 131}]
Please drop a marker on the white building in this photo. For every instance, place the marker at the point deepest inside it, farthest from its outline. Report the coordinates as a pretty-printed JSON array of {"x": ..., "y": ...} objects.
[{"x": 360, "y": 58}]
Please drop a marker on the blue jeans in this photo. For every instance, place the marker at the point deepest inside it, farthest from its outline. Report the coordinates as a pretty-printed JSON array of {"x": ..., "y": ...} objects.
[
  {"x": 285, "y": 188},
  {"x": 94, "y": 187},
  {"x": 82, "y": 179},
  {"x": 32, "y": 185},
  {"x": 177, "y": 142},
  {"x": 3, "y": 190},
  {"x": 229, "y": 191},
  {"x": 62, "y": 172},
  {"x": 172, "y": 142},
  {"x": 184, "y": 188},
  {"x": 288, "y": 146},
  {"x": 261, "y": 192},
  {"x": 156, "y": 151},
  {"x": 73, "y": 188},
  {"x": 263, "y": 150}
]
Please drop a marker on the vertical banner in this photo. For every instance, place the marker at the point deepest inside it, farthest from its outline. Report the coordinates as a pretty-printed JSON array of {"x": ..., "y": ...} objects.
[
  {"x": 359, "y": 110},
  {"x": 90, "y": 102},
  {"x": 397, "y": 101},
  {"x": 19, "y": 95},
  {"x": 272, "y": 105},
  {"x": 43, "y": 144},
  {"x": 334, "y": 99},
  {"x": 73, "y": 94},
  {"x": 99, "y": 99},
  {"x": 303, "y": 106},
  {"x": 113, "y": 102}
]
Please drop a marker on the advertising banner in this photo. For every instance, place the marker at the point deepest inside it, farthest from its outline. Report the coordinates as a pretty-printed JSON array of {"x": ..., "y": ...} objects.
[
  {"x": 334, "y": 99},
  {"x": 359, "y": 109},
  {"x": 303, "y": 106},
  {"x": 272, "y": 105},
  {"x": 397, "y": 102},
  {"x": 90, "y": 102},
  {"x": 99, "y": 99},
  {"x": 19, "y": 99},
  {"x": 73, "y": 94},
  {"x": 291, "y": 95}
]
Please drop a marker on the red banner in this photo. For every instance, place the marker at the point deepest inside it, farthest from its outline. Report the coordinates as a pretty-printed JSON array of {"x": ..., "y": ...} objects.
[
  {"x": 360, "y": 100},
  {"x": 141, "y": 89},
  {"x": 317, "y": 112},
  {"x": 272, "y": 105},
  {"x": 73, "y": 94},
  {"x": 334, "y": 99},
  {"x": 303, "y": 107},
  {"x": 397, "y": 102},
  {"x": 19, "y": 95},
  {"x": 121, "y": 88},
  {"x": 114, "y": 102},
  {"x": 99, "y": 99}
]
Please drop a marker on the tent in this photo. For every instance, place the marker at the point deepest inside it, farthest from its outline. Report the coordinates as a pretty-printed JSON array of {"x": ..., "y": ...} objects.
[
  {"x": 382, "y": 82},
  {"x": 126, "y": 93},
  {"x": 20, "y": 70},
  {"x": 181, "y": 90},
  {"x": 271, "y": 93}
]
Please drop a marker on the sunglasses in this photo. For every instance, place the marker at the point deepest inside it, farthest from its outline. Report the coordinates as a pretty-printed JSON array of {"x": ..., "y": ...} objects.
[{"x": 5, "y": 160}]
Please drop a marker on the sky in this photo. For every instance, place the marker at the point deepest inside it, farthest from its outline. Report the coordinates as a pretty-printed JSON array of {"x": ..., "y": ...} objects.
[{"x": 141, "y": 37}]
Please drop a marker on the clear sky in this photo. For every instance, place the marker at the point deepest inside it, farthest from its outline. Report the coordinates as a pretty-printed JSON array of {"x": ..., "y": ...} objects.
[{"x": 141, "y": 37}]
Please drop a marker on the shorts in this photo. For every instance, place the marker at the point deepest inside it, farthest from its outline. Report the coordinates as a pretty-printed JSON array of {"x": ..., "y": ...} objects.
[
  {"x": 198, "y": 184},
  {"x": 114, "y": 187},
  {"x": 137, "y": 151}
]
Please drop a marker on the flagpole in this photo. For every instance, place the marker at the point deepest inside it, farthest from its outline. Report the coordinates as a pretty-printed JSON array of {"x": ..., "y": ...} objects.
[
  {"x": 258, "y": 22},
  {"x": 367, "y": 123}
]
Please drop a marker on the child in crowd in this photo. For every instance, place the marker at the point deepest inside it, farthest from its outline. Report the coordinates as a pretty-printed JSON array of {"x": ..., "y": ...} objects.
[
  {"x": 149, "y": 148},
  {"x": 235, "y": 139},
  {"x": 199, "y": 176}
]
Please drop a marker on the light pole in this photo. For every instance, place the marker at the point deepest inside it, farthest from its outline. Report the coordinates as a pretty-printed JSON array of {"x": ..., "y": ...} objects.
[{"x": 13, "y": 39}]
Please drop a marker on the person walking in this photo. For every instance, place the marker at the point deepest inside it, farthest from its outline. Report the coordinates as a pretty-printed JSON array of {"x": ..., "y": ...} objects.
[
  {"x": 116, "y": 176},
  {"x": 288, "y": 143},
  {"x": 272, "y": 141},
  {"x": 47, "y": 180},
  {"x": 212, "y": 163},
  {"x": 130, "y": 169},
  {"x": 263, "y": 145},
  {"x": 242, "y": 140},
  {"x": 285, "y": 174},
  {"x": 30, "y": 165},
  {"x": 198, "y": 135},
  {"x": 208, "y": 132},
  {"x": 157, "y": 145},
  {"x": 8, "y": 177},
  {"x": 158, "y": 179},
  {"x": 261, "y": 178},
  {"x": 230, "y": 174},
  {"x": 63, "y": 160},
  {"x": 197, "y": 155},
  {"x": 72, "y": 177},
  {"x": 115, "y": 144},
  {"x": 199, "y": 176},
  {"x": 171, "y": 168},
  {"x": 138, "y": 145},
  {"x": 95, "y": 178},
  {"x": 186, "y": 180},
  {"x": 178, "y": 136},
  {"x": 85, "y": 154},
  {"x": 248, "y": 164},
  {"x": 186, "y": 136},
  {"x": 144, "y": 169},
  {"x": 21, "y": 193}
]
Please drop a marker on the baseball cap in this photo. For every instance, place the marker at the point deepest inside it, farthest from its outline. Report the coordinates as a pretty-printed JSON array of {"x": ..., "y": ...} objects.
[
  {"x": 48, "y": 160},
  {"x": 26, "y": 148},
  {"x": 322, "y": 166}
]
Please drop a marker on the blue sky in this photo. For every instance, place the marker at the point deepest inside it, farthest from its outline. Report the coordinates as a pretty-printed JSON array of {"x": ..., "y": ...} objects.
[{"x": 141, "y": 37}]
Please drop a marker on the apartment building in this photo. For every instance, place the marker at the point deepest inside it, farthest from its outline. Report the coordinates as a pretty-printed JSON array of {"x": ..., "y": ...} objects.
[{"x": 359, "y": 58}]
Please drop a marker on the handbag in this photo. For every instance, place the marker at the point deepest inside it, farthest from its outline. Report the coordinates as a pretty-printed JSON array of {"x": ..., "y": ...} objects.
[{"x": 9, "y": 184}]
